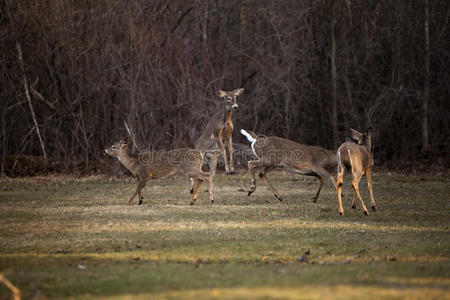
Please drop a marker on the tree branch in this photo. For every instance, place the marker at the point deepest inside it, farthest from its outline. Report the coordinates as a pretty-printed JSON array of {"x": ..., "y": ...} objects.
[{"x": 27, "y": 93}]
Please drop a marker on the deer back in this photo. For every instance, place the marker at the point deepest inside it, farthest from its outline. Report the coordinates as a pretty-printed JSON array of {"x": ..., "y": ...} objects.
[
  {"x": 352, "y": 156},
  {"x": 357, "y": 157},
  {"x": 208, "y": 139},
  {"x": 276, "y": 150},
  {"x": 167, "y": 162}
]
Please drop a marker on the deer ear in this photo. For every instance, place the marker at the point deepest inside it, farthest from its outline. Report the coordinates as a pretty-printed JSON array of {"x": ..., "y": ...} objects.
[
  {"x": 238, "y": 91},
  {"x": 221, "y": 93},
  {"x": 356, "y": 135}
]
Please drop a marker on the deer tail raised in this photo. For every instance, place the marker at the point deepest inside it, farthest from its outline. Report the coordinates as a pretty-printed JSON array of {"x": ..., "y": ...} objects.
[{"x": 251, "y": 137}]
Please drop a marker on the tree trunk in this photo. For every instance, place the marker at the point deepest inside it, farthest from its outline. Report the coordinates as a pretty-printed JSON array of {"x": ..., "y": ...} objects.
[
  {"x": 334, "y": 117},
  {"x": 426, "y": 94},
  {"x": 243, "y": 32}
]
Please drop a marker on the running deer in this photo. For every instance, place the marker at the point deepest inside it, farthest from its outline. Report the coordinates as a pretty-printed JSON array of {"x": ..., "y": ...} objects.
[
  {"x": 357, "y": 159},
  {"x": 218, "y": 135},
  {"x": 156, "y": 164},
  {"x": 275, "y": 152}
]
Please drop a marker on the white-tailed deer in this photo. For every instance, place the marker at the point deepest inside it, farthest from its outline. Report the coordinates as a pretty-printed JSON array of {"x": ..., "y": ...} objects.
[
  {"x": 275, "y": 152},
  {"x": 358, "y": 160},
  {"x": 218, "y": 134},
  {"x": 156, "y": 164}
]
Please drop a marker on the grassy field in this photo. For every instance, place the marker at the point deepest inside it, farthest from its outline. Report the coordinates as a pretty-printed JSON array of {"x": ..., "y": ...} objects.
[{"x": 75, "y": 238}]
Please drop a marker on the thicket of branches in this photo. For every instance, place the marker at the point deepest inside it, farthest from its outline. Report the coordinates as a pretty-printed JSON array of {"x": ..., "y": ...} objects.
[{"x": 311, "y": 69}]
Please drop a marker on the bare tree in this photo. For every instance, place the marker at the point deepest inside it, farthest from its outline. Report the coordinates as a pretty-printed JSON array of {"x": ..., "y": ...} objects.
[
  {"x": 310, "y": 69},
  {"x": 426, "y": 96}
]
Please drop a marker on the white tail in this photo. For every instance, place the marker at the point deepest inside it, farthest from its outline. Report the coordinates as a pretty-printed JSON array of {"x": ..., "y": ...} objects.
[
  {"x": 274, "y": 152},
  {"x": 249, "y": 137},
  {"x": 358, "y": 160}
]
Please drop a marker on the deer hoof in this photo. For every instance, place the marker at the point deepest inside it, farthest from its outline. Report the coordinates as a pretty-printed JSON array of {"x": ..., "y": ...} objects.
[
  {"x": 314, "y": 199},
  {"x": 353, "y": 206},
  {"x": 229, "y": 172},
  {"x": 140, "y": 201},
  {"x": 341, "y": 213},
  {"x": 366, "y": 213},
  {"x": 279, "y": 198},
  {"x": 374, "y": 207},
  {"x": 249, "y": 193},
  {"x": 191, "y": 191},
  {"x": 192, "y": 202}
]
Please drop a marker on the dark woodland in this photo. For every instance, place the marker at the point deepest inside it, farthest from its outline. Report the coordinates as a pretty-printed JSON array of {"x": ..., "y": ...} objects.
[{"x": 73, "y": 72}]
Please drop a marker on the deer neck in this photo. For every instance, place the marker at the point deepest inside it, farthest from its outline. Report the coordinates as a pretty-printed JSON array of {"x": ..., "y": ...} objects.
[
  {"x": 368, "y": 145},
  {"x": 127, "y": 158},
  {"x": 227, "y": 116}
]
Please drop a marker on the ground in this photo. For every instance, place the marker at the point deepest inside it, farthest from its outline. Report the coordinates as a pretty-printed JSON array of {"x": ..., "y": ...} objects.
[{"x": 62, "y": 237}]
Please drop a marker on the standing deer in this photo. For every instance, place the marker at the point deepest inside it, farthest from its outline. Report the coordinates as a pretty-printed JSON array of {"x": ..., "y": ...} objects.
[
  {"x": 157, "y": 164},
  {"x": 357, "y": 159},
  {"x": 275, "y": 152},
  {"x": 218, "y": 135}
]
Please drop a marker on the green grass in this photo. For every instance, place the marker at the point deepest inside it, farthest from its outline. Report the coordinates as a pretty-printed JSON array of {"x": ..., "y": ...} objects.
[{"x": 75, "y": 238}]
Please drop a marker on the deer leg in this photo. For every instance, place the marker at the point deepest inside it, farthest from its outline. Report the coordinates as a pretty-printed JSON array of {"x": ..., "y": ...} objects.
[
  {"x": 139, "y": 188},
  {"x": 340, "y": 179},
  {"x": 253, "y": 168},
  {"x": 202, "y": 176},
  {"x": 264, "y": 178},
  {"x": 354, "y": 201},
  {"x": 321, "y": 172},
  {"x": 369, "y": 183},
  {"x": 197, "y": 189},
  {"x": 231, "y": 151},
  {"x": 213, "y": 165},
  {"x": 325, "y": 174},
  {"x": 316, "y": 195},
  {"x": 211, "y": 186},
  {"x": 192, "y": 185},
  {"x": 333, "y": 181},
  {"x": 224, "y": 153},
  {"x": 356, "y": 179},
  {"x": 141, "y": 198}
]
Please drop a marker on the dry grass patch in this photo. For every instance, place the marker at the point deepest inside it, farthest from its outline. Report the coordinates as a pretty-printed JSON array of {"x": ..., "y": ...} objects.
[{"x": 67, "y": 237}]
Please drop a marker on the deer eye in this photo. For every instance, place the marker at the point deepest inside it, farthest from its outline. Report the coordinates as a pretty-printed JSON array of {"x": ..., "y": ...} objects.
[
  {"x": 229, "y": 99},
  {"x": 113, "y": 147}
]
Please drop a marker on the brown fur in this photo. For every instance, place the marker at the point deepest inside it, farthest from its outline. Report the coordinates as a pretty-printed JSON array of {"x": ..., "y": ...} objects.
[
  {"x": 275, "y": 152},
  {"x": 358, "y": 160},
  {"x": 156, "y": 164},
  {"x": 218, "y": 135}
]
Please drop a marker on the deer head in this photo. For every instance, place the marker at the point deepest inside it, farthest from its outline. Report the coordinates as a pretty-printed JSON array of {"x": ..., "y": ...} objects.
[
  {"x": 119, "y": 147},
  {"x": 230, "y": 98},
  {"x": 363, "y": 138}
]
